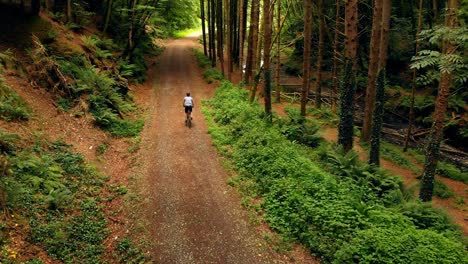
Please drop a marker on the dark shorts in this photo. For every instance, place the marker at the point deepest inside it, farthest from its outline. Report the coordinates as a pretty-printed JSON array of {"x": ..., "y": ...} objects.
[{"x": 188, "y": 109}]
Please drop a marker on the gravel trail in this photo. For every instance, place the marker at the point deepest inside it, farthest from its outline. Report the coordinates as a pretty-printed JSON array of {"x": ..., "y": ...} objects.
[{"x": 194, "y": 216}]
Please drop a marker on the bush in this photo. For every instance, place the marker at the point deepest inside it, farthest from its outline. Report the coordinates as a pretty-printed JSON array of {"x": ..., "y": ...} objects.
[
  {"x": 298, "y": 128},
  {"x": 213, "y": 74},
  {"x": 392, "y": 245},
  {"x": 53, "y": 192},
  {"x": 328, "y": 201},
  {"x": 424, "y": 216},
  {"x": 441, "y": 190},
  {"x": 12, "y": 106},
  {"x": 202, "y": 60}
]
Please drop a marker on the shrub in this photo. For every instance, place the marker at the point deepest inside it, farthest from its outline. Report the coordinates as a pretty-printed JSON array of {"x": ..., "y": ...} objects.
[
  {"x": 329, "y": 201},
  {"x": 424, "y": 216},
  {"x": 12, "y": 106},
  {"x": 441, "y": 190},
  {"x": 213, "y": 74},
  {"x": 202, "y": 60},
  {"x": 393, "y": 245},
  {"x": 298, "y": 128}
]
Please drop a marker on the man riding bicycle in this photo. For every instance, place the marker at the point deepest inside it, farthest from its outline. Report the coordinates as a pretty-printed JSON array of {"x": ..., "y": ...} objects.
[{"x": 188, "y": 105}]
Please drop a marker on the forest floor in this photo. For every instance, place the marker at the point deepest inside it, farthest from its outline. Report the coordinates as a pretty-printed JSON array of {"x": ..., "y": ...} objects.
[{"x": 191, "y": 214}]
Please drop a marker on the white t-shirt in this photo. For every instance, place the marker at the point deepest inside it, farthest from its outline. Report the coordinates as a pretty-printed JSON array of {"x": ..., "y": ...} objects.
[{"x": 188, "y": 101}]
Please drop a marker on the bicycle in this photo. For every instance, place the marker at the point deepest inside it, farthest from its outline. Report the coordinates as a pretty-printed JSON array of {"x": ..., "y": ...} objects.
[{"x": 188, "y": 119}]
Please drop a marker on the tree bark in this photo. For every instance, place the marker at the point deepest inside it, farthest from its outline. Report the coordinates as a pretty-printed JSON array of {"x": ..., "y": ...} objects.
[
  {"x": 318, "y": 91},
  {"x": 219, "y": 23},
  {"x": 278, "y": 52},
  {"x": 202, "y": 10},
  {"x": 413, "y": 82},
  {"x": 437, "y": 130},
  {"x": 253, "y": 40},
  {"x": 306, "y": 59},
  {"x": 336, "y": 56},
  {"x": 108, "y": 15},
  {"x": 242, "y": 24},
  {"x": 372, "y": 71},
  {"x": 267, "y": 32},
  {"x": 228, "y": 10},
  {"x": 377, "y": 119},
  {"x": 348, "y": 84}
]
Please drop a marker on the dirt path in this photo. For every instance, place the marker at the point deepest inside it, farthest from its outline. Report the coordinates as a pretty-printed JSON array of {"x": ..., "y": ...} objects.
[{"x": 194, "y": 216}]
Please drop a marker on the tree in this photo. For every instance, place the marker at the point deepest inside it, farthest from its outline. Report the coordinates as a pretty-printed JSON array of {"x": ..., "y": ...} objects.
[
  {"x": 253, "y": 40},
  {"x": 242, "y": 25},
  {"x": 318, "y": 91},
  {"x": 278, "y": 52},
  {"x": 348, "y": 83},
  {"x": 378, "y": 111},
  {"x": 267, "y": 33},
  {"x": 306, "y": 60},
  {"x": 449, "y": 50},
  {"x": 336, "y": 55},
  {"x": 202, "y": 14},
  {"x": 229, "y": 21},
  {"x": 413, "y": 82},
  {"x": 373, "y": 70},
  {"x": 220, "y": 34},
  {"x": 108, "y": 15}
]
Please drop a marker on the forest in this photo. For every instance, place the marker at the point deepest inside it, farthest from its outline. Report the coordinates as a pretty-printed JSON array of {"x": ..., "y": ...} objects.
[{"x": 341, "y": 126}]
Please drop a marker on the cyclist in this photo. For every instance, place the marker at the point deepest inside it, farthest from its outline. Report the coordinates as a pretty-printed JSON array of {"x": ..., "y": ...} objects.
[{"x": 188, "y": 105}]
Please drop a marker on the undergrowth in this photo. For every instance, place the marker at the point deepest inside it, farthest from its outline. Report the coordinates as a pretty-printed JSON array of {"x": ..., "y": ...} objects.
[
  {"x": 341, "y": 209},
  {"x": 54, "y": 194},
  {"x": 12, "y": 106},
  {"x": 210, "y": 74}
]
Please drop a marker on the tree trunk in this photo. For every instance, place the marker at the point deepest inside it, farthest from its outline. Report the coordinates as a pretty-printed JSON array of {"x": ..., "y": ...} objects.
[
  {"x": 348, "y": 84},
  {"x": 69, "y": 11},
  {"x": 377, "y": 118},
  {"x": 242, "y": 25},
  {"x": 384, "y": 34},
  {"x": 108, "y": 15},
  {"x": 212, "y": 7},
  {"x": 413, "y": 82},
  {"x": 336, "y": 56},
  {"x": 437, "y": 130},
  {"x": 278, "y": 52},
  {"x": 253, "y": 40},
  {"x": 267, "y": 33},
  {"x": 306, "y": 59},
  {"x": 435, "y": 10},
  {"x": 372, "y": 71},
  {"x": 228, "y": 10},
  {"x": 202, "y": 11},
  {"x": 318, "y": 91},
  {"x": 219, "y": 23}
]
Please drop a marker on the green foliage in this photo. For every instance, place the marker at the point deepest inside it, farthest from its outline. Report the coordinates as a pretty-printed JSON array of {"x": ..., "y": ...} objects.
[
  {"x": 57, "y": 195},
  {"x": 395, "y": 245},
  {"x": 12, "y": 106},
  {"x": 128, "y": 253},
  {"x": 424, "y": 216},
  {"x": 451, "y": 171},
  {"x": 321, "y": 197},
  {"x": 202, "y": 60},
  {"x": 325, "y": 115},
  {"x": 213, "y": 74},
  {"x": 8, "y": 142},
  {"x": 107, "y": 101},
  {"x": 441, "y": 190},
  {"x": 297, "y": 128}
]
